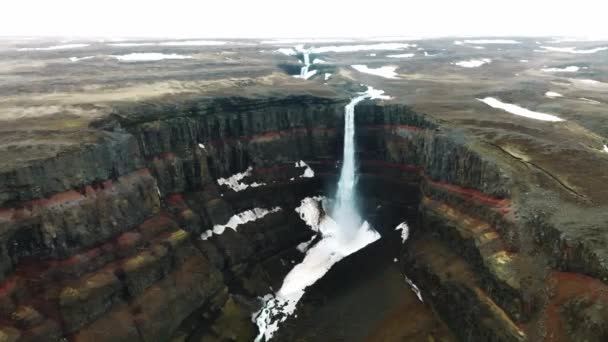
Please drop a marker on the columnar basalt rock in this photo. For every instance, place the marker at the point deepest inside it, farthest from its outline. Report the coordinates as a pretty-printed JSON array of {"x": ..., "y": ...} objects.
[{"x": 102, "y": 241}]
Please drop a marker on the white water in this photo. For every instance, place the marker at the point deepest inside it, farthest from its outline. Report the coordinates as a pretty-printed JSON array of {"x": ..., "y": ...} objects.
[
  {"x": 304, "y": 72},
  {"x": 342, "y": 234}
]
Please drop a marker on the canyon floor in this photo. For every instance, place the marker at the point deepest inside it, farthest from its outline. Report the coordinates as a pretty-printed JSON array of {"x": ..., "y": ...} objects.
[{"x": 110, "y": 152}]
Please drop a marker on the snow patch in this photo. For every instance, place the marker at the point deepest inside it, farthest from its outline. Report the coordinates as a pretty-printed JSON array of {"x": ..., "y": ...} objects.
[
  {"x": 287, "y": 51},
  {"x": 473, "y": 63},
  {"x": 517, "y": 110},
  {"x": 403, "y": 55},
  {"x": 327, "y": 76},
  {"x": 405, "y": 230},
  {"x": 304, "y": 246},
  {"x": 234, "y": 181},
  {"x": 193, "y": 43},
  {"x": 76, "y": 59},
  {"x": 55, "y": 47},
  {"x": 385, "y": 71},
  {"x": 363, "y": 47},
  {"x": 571, "y": 68},
  {"x": 308, "y": 172},
  {"x": 201, "y": 146},
  {"x": 491, "y": 41},
  {"x": 148, "y": 57},
  {"x": 318, "y": 61},
  {"x": 571, "y": 49},
  {"x": 524, "y": 60},
  {"x": 552, "y": 94},
  {"x": 605, "y": 148},
  {"x": 306, "y": 40},
  {"x": 414, "y": 288},
  {"x": 239, "y": 219},
  {"x": 589, "y": 100}
]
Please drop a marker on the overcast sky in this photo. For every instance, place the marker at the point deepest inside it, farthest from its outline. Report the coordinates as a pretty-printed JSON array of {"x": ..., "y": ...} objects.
[{"x": 311, "y": 18}]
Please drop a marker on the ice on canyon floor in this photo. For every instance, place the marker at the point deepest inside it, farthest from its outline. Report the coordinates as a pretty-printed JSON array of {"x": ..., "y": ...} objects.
[
  {"x": 76, "y": 59},
  {"x": 405, "y": 230},
  {"x": 336, "y": 243},
  {"x": 571, "y": 68},
  {"x": 552, "y": 94},
  {"x": 403, "y": 55},
  {"x": 491, "y": 41},
  {"x": 55, "y": 47},
  {"x": 327, "y": 76},
  {"x": 414, "y": 288},
  {"x": 308, "y": 172},
  {"x": 473, "y": 63},
  {"x": 234, "y": 181},
  {"x": 385, "y": 71},
  {"x": 239, "y": 219},
  {"x": 304, "y": 246},
  {"x": 148, "y": 57},
  {"x": 517, "y": 110},
  {"x": 571, "y": 49}
]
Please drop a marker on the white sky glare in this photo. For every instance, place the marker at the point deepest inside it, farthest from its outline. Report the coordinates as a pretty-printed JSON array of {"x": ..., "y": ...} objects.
[{"x": 311, "y": 18}]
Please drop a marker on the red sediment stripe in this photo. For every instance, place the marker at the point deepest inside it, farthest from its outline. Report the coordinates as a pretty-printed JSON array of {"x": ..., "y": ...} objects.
[
  {"x": 392, "y": 127},
  {"x": 469, "y": 193},
  {"x": 400, "y": 166},
  {"x": 65, "y": 198},
  {"x": 564, "y": 287},
  {"x": 176, "y": 199},
  {"x": 464, "y": 192},
  {"x": 270, "y": 135},
  {"x": 8, "y": 286}
]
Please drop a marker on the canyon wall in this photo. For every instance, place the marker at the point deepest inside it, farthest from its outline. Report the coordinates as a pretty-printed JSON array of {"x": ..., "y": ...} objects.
[{"x": 102, "y": 241}]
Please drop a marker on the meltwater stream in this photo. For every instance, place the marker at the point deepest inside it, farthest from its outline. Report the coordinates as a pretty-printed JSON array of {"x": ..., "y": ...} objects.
[{"x": 342, "y": 234}]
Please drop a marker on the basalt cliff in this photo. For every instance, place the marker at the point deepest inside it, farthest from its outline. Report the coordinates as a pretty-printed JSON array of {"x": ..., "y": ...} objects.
[{"x": 104, "y": 222}]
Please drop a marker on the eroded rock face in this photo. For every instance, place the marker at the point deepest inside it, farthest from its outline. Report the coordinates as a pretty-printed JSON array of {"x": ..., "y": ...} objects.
[{"x": 104, "y": 242}]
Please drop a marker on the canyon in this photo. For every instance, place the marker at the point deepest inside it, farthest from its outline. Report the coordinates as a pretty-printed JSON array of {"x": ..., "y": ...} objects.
[{"x": 163, "y": 203}]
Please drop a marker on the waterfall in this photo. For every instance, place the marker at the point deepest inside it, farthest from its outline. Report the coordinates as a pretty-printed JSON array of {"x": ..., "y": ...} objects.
[
  {"x": 346, "y": 183},
  {"x": 342, "y": 234},
  {"x": 345, "y": 211},
  {"x": 304, "y": 70}
]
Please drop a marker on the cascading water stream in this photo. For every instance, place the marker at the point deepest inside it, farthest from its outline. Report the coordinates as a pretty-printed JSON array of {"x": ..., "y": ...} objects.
[
  {"x": 304, "y": 70},
  {"x": 342, "y": 234}
]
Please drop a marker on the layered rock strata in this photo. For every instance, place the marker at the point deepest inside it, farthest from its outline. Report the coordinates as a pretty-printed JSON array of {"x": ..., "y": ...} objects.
[{"x": 102, "y": 242}]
